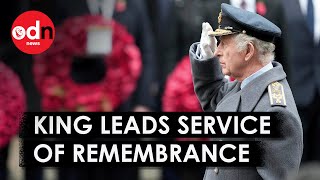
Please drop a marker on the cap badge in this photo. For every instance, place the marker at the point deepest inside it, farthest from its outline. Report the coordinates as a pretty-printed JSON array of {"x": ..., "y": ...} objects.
[{"x": 220, "y": 17}]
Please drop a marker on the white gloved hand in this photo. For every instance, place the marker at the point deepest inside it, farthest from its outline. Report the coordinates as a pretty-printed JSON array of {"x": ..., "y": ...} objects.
[{"x": 208, "y": 44}]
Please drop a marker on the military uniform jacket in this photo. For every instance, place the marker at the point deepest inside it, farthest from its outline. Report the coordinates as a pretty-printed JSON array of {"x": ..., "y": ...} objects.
[{"x": 282, "y": 156}]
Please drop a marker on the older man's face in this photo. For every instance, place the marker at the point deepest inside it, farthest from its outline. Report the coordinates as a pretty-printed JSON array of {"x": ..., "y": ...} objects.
[{"x": 231, "y": 61}]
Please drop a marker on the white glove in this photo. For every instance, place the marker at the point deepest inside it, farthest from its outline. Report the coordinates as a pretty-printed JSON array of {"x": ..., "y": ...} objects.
[{"x": 208, "y": 44}]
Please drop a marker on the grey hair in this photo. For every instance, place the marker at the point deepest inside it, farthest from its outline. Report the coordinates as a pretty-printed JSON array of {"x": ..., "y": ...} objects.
[{"x": 265, "y": 49}]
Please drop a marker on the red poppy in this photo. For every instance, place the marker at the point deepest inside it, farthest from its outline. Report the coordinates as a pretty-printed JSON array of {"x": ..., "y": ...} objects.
[
  {"x": 121, "y": 5},
  {"x": 261, "y": 8}
]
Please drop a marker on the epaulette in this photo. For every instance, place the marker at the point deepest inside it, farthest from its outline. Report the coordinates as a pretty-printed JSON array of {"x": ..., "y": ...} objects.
[{"x": 276, "y": 94}]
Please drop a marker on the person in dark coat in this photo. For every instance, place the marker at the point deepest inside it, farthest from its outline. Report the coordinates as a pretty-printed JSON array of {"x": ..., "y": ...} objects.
[
  {"x": 302, "y": 50},
  {"x": 246, "y": 52}
]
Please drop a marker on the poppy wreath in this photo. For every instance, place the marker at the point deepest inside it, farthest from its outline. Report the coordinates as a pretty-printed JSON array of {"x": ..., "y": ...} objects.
[
  {"x": 12, "y": 104},
  {"x": 54, "y": 68},
  {"x": 179, "y": 95}
]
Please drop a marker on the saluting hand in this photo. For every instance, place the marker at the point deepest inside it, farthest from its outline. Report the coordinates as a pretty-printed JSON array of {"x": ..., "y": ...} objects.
[{"x": 208, "y": 44}]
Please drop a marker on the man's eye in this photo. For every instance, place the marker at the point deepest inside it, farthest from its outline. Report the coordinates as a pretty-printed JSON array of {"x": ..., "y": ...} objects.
[{"x": 218, "y": 41}]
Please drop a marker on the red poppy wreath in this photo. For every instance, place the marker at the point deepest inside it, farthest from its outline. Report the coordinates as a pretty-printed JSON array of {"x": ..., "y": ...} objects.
[
  {"x": 68, "y": 81},
  {"x": 179, "y": 95},
  {"x": 12, "y": 104}
]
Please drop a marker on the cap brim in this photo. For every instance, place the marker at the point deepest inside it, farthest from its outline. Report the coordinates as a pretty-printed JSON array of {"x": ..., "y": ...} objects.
[{"x": 220, "y": 32}]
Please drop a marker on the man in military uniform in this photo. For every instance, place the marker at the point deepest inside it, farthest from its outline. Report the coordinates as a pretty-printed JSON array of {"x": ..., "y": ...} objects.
[{"x": 246, "y": 52}]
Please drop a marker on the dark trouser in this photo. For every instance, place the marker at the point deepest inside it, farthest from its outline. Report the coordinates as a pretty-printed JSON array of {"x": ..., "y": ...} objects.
[
  {"x": 33, "y": 173},
  {"x": 181, "y": 173},
  {"x": 3, "y": 162},
  {"x": 310, "y": 117},
  {"x": 98, "y": 173}
]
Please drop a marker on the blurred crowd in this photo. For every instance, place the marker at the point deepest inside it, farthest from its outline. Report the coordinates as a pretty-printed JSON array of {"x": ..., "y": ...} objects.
[{"x": 164, "y": 30}]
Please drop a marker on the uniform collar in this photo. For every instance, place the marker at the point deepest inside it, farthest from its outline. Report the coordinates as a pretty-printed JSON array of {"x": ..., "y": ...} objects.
[
  {"x": 252, "y": 92},
  {"x": 255, "y": 75}
]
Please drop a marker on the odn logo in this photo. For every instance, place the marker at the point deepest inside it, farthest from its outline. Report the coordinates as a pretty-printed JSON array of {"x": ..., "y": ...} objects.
[{"x": 33, "y": 32}]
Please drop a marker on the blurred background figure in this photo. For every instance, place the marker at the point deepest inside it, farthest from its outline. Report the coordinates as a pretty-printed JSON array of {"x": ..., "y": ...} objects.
[{"x": 302, "y": 50}]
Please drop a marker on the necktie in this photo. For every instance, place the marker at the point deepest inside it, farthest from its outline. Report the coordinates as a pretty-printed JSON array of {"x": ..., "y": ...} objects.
[
  {"x": 243, "y": 4},
  {"x": 310, "y": 16}
]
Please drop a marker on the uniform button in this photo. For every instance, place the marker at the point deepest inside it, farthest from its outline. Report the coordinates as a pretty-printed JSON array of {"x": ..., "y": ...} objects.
[{"x": 216, "y": 170}]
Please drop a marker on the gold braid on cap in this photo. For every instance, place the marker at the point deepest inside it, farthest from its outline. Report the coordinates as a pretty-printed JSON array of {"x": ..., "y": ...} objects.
[{"x": 220, "y": 18}]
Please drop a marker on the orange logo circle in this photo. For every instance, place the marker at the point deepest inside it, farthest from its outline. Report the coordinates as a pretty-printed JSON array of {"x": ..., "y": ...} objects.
[{"x": 32, "y": 32}]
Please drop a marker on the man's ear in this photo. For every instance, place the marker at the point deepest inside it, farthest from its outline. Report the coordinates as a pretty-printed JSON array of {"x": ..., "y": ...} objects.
[{"x": 250, "y": 51}]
